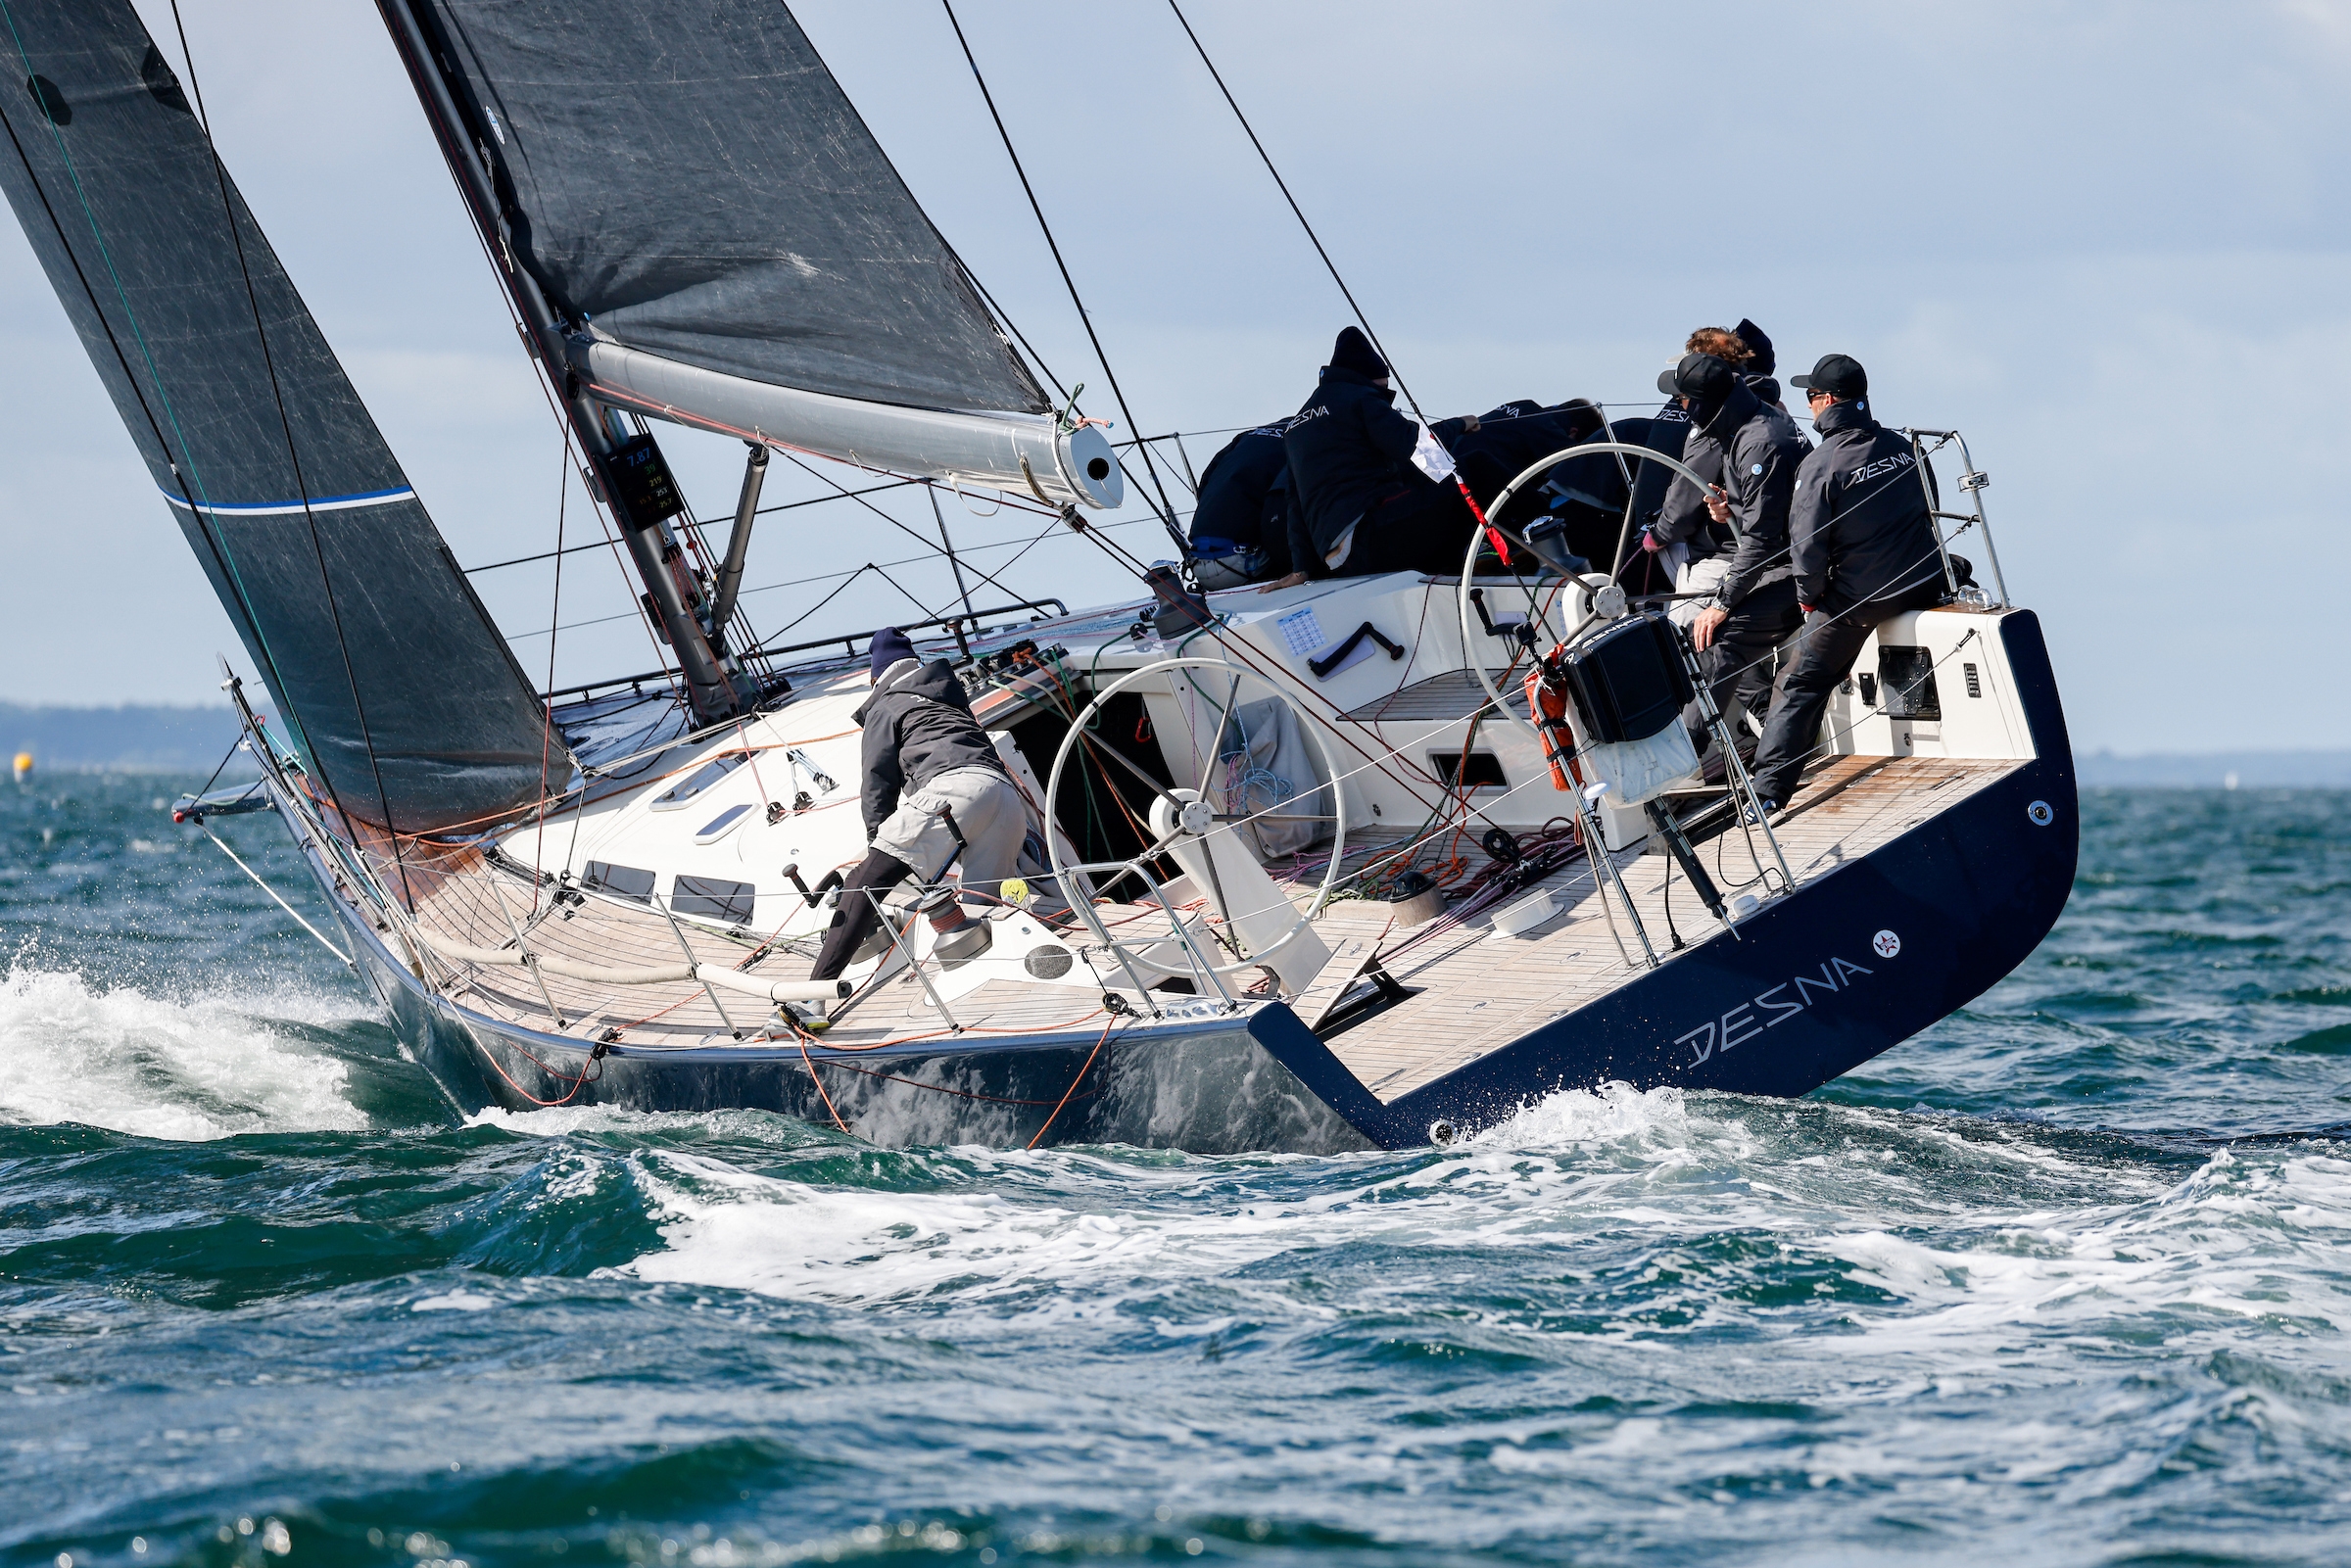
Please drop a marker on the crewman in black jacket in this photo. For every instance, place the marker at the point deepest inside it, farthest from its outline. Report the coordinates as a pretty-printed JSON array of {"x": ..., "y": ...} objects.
[
  {"x": 1864, "y": 550},
  {"x": 923, "y": 754},
  {"x": 1757, "y": 450},
  {"x": 1239, "y": 528},
  {"x": 1670, "y": 508},
  {"x": 1355, "y": 497}
]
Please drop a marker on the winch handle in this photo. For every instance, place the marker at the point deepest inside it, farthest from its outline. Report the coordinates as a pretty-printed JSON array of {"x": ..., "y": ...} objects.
[{"x": 946, "y": 813}]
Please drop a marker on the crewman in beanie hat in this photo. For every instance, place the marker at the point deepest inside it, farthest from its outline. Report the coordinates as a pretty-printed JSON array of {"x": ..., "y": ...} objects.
[
  {"x": 1358, "y": 506},
  {"x": 1753, "y": 448},
  {"x": 1354, "y": 352},
  {"x": 924, "y": 756}
]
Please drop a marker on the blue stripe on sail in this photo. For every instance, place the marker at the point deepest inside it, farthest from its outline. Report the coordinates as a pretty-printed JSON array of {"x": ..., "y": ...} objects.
[{"x": 316, "y": 503}]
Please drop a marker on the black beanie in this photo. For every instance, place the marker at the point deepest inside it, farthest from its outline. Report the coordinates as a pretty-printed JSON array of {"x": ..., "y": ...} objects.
[
  {"x": 890, "y": 646},
  {"x": 1354, "y": 352},
  {"x": 1762, "y": 362}
]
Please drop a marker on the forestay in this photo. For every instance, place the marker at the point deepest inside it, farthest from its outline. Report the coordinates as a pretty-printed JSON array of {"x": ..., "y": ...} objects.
[{"x": 341, "y": 587}]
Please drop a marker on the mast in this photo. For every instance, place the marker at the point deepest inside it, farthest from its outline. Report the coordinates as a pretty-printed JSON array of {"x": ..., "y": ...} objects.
[{"x": 626, "y": 470}]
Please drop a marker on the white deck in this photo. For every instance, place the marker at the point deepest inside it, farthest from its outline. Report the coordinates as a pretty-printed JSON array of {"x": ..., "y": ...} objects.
[{"x": 1476, "y": 991}]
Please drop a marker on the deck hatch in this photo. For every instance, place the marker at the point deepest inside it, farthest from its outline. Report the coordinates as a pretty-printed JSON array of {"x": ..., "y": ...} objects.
[
  {"x": 725, "y": 822},
  {"x": 709, "y": 898},
  {"x": 1479, "y": 770},
  {"x": 621, "y": 882}
]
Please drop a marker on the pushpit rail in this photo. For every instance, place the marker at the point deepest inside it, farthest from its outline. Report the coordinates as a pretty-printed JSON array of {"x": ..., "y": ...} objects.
[{"x": 1972, "y": 484}]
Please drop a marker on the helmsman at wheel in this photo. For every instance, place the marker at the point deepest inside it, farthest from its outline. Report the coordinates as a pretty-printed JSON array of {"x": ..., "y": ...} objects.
[
  {"x": 924, "y": 756},
  {"x": 1757, "y": 450}
]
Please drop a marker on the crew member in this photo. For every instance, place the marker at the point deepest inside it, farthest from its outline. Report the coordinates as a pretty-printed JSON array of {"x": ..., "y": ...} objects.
[
  {"x": 1762, "y": 362},
  {"x": 1756, "y": 449},
  {"x": 924, "y": 756},
  {"x": 1864, "y": 547},
  {"x": 1355, "y": 498},
  {"x": 1240, "y": 531},
  {"x": 1671, "y": 509}
]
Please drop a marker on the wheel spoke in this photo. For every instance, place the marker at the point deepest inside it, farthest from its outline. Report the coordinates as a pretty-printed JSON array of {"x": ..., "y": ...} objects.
[{"x": 1217, "y": 739}]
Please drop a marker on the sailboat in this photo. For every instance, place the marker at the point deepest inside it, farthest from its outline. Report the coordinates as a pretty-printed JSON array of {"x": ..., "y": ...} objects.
[{"x": 1360, "y": 862}]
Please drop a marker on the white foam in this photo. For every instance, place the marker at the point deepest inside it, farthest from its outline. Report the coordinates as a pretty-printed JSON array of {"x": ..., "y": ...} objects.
[
  {"x": 1121, "y": 1228},
  {"x": 2237, "y": 1244},
  {"x": 159, "y": 1067},
  {"x": 456, "y": 1300},
  {"x": 564, "y": 1120}
]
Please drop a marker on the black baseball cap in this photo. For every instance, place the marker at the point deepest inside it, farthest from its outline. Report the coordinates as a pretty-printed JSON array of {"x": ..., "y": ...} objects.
[
  {"x": 1698, "y": 376},
  {"x": 1839, "y": 375}
]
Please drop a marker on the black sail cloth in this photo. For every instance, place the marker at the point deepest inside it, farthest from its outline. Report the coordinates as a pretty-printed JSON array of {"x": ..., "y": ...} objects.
[
  {"x": 684, "y": 178},
  {"x": 342, "y": 591}
]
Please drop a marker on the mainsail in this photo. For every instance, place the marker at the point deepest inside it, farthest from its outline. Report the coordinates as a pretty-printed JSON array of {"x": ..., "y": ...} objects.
[
  {"x": 400, "y": 691},
  {"x": 727, "y": 243}
]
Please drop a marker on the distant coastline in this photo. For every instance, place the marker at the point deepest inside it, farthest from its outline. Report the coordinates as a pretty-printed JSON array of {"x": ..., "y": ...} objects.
[
  {"x": 153, "y": 738},
  {"x": 2217, "y": 770},
  {"x": 134, "y": 737}
]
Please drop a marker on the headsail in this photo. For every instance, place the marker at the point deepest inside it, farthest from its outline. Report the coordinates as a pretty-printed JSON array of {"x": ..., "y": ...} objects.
[
  {"x": 692, "y": 190},
  {"x": 399, "y": 690}
]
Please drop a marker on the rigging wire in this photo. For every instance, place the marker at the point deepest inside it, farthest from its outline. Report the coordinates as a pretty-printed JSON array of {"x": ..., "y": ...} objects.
[
  {"x": 1053, "y": 530},
  {"x": 301, "y": 484},
  {"x": 795, "y": 460},
  {"x": 555, "y": 615},
  {"x": 1167, "y": 508},
  {"x": 1501, "y": 547},
  {"x": 1295, "y": 210}
]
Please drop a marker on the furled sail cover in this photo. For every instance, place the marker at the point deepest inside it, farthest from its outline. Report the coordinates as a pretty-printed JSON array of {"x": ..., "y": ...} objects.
[
  {"x": 688, "y": 177},
  {"x": 342, "y": 591}
]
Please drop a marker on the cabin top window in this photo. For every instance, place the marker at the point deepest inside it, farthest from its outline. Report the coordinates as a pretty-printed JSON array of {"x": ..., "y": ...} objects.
[{"x": 699, "y": 781}]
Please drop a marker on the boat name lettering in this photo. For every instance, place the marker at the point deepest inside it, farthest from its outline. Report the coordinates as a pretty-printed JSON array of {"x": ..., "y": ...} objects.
[
  {"x": 1892, "y": 462},
  {"x": 1739, "y": 1024}
]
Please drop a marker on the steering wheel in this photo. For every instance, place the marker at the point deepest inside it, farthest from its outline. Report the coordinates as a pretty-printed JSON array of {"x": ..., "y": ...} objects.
[
  {"x": 1535, "y": 612},
  {"x": 1187, "y": 813}
]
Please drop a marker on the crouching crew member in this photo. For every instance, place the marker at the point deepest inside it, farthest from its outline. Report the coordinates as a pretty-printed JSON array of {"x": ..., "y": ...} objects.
[
  {"x": 1757, "y": 450},
  {"x": 1358, "y": 500},
  {"x": 1864, "y": 548},
  {"x": 1241, "y": 529},
  {"x": 924, "y": 753}
]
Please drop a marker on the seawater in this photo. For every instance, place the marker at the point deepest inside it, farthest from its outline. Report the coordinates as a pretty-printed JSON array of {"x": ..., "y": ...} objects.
[{"x": 2064, "y": 1280}]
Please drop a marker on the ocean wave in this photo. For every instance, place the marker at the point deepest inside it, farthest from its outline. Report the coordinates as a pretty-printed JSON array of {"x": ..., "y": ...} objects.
[
  {"x": 1030, "y": 1233},
  {"x": 186, "y": 1069}
]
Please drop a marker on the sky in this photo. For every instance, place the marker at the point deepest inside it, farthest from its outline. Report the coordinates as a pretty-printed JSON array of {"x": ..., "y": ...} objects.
[{"x": 2107, "y": 241}]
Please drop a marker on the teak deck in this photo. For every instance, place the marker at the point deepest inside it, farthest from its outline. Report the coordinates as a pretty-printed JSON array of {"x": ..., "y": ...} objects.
[
  {"x": 1475, "y": 991},
  {"x": 1478, "y": 991}
]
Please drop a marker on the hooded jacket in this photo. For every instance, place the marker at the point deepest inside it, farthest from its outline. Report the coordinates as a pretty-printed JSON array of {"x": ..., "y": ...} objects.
[
  {"x": 1756, "y": 449},
  {"x": 1348, "y": 446},
  {"x": 1858, "y": 521},
  {"x": 1237, "y": 489},
  {"x": 1678, "y": 514},
  {"x": 917, "y": 725}
]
